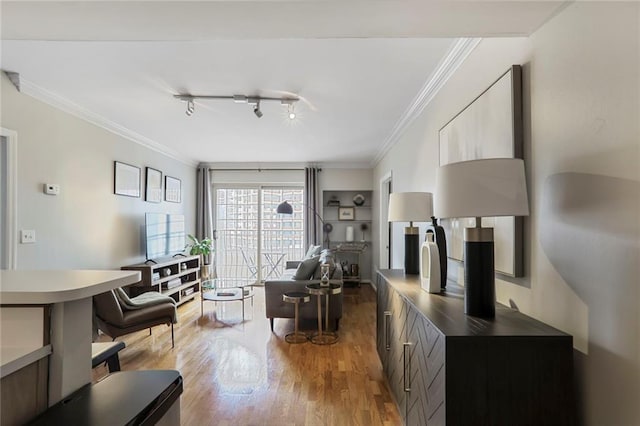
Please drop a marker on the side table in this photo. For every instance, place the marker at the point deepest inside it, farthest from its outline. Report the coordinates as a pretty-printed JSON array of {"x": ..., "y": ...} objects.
[{"x": 327, "y": 337}]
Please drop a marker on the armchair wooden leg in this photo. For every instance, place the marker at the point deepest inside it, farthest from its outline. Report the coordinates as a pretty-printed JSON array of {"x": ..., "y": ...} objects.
[
  {"x": 337, "y": 323},
  {"x": 172, "y": 342},
  {"x": 149, "y": 331},
  {"x": 271, "y": 321}
]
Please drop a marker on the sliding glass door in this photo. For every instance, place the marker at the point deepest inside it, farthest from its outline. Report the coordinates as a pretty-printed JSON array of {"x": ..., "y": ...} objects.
[{"x": 253, "y": 242}]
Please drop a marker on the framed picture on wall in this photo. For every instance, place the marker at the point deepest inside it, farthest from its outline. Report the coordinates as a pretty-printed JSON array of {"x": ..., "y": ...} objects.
[
  {"x": 153, "y": 192},
  {"x": 172, "y": 189},
  {"x": 490, "y": 127},
  {"x": 346, "y": 213},
  {"x": 126, "y": 179}
]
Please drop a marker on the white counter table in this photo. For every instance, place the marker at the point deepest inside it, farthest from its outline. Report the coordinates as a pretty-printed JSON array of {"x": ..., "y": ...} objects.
[{"x": 69, "y": 294}]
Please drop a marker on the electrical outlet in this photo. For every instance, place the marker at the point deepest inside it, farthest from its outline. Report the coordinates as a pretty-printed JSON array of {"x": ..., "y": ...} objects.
[
  {"x": 51, "y": 188},
  {"x": 27, "y": 236}
]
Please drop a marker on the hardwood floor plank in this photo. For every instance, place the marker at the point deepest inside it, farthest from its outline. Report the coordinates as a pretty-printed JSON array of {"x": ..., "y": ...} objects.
[{"x": 239, "y": 373}]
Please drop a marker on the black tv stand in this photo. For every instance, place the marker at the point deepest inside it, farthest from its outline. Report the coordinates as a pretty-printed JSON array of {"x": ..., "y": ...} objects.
[
  {"x": 150, "y": 260},
  {"x": 179, "y": 254}
]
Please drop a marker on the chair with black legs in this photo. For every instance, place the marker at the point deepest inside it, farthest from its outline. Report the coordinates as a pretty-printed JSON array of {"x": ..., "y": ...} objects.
[{"x": 116, "y": 314}]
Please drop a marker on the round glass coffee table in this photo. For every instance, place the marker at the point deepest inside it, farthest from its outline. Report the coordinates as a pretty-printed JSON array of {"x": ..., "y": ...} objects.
[
  {"x": 221, "y": 290},
  {"x": 324, "y": 337}
]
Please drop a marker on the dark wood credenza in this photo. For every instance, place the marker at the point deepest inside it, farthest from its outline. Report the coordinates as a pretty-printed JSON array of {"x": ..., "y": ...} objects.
[{"x": 447, "y": 368}]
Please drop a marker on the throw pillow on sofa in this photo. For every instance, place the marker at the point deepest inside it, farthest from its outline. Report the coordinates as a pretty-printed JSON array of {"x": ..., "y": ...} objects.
[
  {"x": 312, "y": 251},
  {"x": 306, "y": 268}
]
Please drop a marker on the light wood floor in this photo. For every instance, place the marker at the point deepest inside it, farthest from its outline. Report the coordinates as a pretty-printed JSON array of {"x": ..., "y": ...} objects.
[{"x": 239, "y": 373}]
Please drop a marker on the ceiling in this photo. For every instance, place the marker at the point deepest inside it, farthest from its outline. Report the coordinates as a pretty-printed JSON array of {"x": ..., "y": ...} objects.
[{"x": 361, "y": 68}]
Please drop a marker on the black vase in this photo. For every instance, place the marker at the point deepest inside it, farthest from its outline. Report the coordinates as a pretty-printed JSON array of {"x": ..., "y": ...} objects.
[{"x": 441, "y": 242}]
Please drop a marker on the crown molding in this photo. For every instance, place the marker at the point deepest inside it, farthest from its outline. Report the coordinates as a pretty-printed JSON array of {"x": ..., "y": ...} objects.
[
  {"x": 57, "y": 101},
  {"x": 447, "y": 67},
  {"x": 294, "y": 166},
  {"x": 344, "y": 165}
]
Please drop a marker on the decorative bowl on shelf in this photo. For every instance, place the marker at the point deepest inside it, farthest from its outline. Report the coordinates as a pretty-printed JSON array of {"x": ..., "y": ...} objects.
[
  {"x": 333, "y": 202},
  {"x": 359, "y": 199}
]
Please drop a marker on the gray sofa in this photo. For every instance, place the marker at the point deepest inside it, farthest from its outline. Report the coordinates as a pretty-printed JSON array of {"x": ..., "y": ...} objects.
[{"x": 276, "y": 308}]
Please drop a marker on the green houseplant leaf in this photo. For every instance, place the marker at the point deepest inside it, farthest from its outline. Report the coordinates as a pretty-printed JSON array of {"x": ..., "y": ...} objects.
[{"x": 203, "y": 247}]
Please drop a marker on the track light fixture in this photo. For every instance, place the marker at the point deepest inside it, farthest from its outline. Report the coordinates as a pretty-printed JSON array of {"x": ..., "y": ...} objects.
[
  {"x": 290, "y": 108},
  {"x": 241, "y": 99},
  {"x": 256, "y": 110},
  {"x": 190, "y": 107}
]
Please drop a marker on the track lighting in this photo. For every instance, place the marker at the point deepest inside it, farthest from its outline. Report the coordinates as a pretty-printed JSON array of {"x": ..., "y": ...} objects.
[
  {"x": 290, "y": 108},
  {"x": 190, "y": 107},
  {"x": 241, "y": 99},
  {"x": 256, "y": 110}
]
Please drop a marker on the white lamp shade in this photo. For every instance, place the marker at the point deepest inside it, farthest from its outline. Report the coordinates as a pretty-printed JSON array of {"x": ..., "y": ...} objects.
[
  {"x": 410, "y": 206},
  {"x": 482, "y": 188}
]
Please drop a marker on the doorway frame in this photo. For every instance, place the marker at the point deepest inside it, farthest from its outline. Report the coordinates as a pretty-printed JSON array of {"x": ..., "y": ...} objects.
[
  {"x": 11, "y": 208},
  {"x": 385, "y": 230}
]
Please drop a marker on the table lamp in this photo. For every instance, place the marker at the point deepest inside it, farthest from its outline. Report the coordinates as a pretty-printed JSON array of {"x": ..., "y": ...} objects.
[
  {"x": 481, "y": 188},
  {"x": 411, "y": 207}
]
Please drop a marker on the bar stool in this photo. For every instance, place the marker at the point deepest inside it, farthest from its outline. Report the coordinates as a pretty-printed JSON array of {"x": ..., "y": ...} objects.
[
  {"x": 296, "y": 298},
  {"x": 106, "y": 352}
]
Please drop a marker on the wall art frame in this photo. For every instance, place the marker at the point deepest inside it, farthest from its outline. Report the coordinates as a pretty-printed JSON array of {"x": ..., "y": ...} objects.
[
  {"x": 491, "y": 126},
  {"x": 153, "y": 187},
  {"x": 346, "y": 213},
  {"x": 126, "y": 179},
  {"x": 172, "y": 189}
]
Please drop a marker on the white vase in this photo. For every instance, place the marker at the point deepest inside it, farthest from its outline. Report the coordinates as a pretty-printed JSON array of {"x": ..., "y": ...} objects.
[
  {"x": 349, "y": 236},
  {"x": 430, "y": 266}
]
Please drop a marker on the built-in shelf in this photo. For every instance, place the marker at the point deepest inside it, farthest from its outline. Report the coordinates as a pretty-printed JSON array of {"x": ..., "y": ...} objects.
[{"x": 332, "y": 202}]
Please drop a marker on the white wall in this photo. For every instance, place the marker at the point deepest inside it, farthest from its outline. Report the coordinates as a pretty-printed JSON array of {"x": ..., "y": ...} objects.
[
  {"x": 4, "y": 199},
  {"x": 582, "y": 149},
  {"x": 330, "y": 178},
  {"x": 334, "y": 179},
  {"x": 86, "y": 226}
]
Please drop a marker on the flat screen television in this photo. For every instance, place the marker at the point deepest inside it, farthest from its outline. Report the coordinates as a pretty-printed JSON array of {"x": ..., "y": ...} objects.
[{"x": 164, "y": 234}]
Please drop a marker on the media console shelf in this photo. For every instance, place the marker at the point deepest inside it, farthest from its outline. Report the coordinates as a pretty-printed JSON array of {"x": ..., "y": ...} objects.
[{"x": 177, "y": 277}]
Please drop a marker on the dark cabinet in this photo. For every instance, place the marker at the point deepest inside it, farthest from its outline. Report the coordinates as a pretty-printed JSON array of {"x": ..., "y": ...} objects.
[
  {"x": 412, "y": 356},
  {"x": 426, "y": 372},
  {"x": 382, "y": 322},
  {"x": 395, "y": 368},
  {"x": 446, "y": 368}
]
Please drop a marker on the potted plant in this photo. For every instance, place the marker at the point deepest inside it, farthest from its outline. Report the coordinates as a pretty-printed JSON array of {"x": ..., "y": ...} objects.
[
  {"x": 204, "y": 248},
  {"x": 363, "y": 228}
]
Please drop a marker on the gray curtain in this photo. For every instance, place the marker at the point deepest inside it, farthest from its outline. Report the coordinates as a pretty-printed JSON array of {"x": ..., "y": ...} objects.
[
  {"x": 204, "y": 216},
  {"x": 312, "y": 225}
]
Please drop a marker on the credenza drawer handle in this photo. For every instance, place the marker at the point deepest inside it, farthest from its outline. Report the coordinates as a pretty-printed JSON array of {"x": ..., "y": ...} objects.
[
  {"x": 387, "y": 343},
  {"x": 406, "y": 362}
]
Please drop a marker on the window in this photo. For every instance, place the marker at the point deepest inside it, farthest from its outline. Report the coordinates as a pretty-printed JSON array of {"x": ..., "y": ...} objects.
[{"x": 253, "y": 241}]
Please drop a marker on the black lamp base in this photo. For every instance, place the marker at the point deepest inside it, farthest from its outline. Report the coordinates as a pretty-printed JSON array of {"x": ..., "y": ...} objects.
[
  {"x": 411, "y": 251},
  {"x": 441, "y": 242},
  {"x": 479, "y": 278}
]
